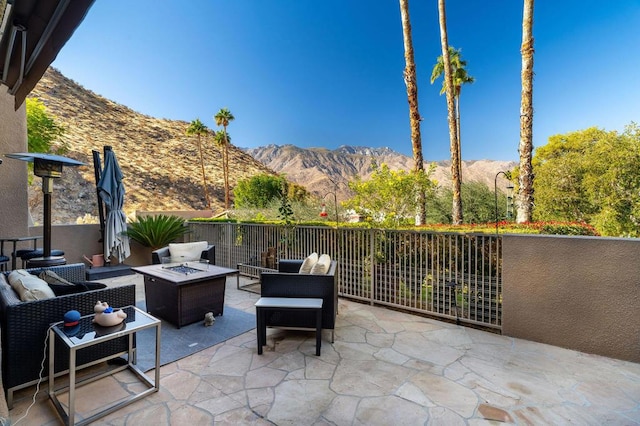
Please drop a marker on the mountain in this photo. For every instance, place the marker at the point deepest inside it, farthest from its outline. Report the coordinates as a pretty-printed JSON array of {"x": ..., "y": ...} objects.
[
  {"x": 160, "y": 164},
  {"x": 314, "y": 167}
]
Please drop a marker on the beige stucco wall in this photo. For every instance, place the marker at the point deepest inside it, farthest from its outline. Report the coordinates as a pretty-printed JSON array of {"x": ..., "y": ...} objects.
[
  {"x": 79, "y": 240},
  {"x": 581, "y": 293},
  {"x": 74, "y": 240},
  {"x": 14, "y": 212}
]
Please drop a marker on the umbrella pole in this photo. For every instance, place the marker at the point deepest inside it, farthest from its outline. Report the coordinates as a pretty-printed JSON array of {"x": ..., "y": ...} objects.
[{"x": 97, "y": 171}]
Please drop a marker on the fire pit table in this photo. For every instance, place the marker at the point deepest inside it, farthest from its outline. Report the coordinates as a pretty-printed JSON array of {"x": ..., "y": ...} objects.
[{"x": 182, "y": 293}]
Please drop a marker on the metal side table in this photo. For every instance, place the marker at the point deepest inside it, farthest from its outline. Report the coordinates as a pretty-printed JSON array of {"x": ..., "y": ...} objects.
[{"x": 87, "y": 334}]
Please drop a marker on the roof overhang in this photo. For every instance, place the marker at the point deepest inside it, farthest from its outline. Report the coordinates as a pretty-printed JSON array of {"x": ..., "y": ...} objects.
[{"x": 32, "y": 32}]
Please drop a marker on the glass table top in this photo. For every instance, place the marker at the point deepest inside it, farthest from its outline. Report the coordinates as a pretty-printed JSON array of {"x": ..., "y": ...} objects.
[{"x": 87, "y": 333}]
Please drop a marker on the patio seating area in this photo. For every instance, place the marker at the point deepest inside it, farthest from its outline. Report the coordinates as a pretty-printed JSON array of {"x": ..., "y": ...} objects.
[{"x": 385, "y": 367}]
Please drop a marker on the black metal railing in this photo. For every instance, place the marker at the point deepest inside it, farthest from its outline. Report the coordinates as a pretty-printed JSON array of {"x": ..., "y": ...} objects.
[{"x": 454, "y": 276}]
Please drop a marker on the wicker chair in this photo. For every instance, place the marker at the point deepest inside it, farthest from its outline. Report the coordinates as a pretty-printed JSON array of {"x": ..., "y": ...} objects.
[
  {"x": 208, "y": 254},
  {"x": 25, "y": 324},
  {"x": 287, "y": 282}
]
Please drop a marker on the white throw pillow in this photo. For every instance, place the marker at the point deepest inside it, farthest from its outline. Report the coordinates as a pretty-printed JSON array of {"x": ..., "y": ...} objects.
[
  {"x": 187, "y": 252},
  {"x": 322, "y": 265},
  {"x": 29, "y": 287},
  {"x": 308, "y": 263}
]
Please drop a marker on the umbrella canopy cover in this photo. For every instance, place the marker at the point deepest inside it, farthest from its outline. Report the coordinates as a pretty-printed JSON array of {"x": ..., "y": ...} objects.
[{"x": 111, "y": 192}]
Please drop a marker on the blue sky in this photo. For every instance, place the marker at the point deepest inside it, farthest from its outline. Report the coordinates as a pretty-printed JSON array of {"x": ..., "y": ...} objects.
[{"x": 329, "y": 73}]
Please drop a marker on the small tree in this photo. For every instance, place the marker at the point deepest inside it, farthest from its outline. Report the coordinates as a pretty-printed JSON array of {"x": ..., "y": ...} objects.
[
  {"x": 390, "y": 197},
  {"x": 43, "y": 131},
  {"x": 478, "y": 203},
  {"x": 257, "y": 191},
  {"x": 285, "y": 213}
]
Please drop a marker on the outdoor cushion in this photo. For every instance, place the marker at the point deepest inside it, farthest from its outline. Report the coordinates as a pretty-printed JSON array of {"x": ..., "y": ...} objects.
[
  {"x": 29, "y": 287},
  {"x": 308, "y": 263},
  {"x": 52, "y": 278},
  {"x": 322, "y": 265},
  {"x": 32, "y": 254},
  {"x": 186, "y": 252},
  {"x": 74, "y": 288}
]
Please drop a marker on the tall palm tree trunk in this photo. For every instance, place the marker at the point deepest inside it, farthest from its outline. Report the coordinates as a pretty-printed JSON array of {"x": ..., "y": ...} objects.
[
  {"x": 525, "y": 148},
  {"x": 458, "y": 125},
  {"x": 456, "y": 211},
  {"x": 412, "y": 97},
  {"x": 225, "y": 166},
  {"x": 204, "y": 176}
]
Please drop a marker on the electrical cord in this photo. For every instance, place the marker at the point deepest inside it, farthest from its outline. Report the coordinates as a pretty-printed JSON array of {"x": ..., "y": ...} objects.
[{"x": 40, "y": 377}]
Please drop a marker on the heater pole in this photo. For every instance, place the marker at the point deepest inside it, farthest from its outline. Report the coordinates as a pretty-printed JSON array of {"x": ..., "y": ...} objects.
[{"x": 47, "y": 189}]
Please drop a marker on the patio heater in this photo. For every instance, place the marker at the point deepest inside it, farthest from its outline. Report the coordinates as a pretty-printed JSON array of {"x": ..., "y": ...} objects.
[{"x": 48, "y": 167}]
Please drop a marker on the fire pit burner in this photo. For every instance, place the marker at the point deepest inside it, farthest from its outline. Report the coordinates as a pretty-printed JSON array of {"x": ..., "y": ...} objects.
[{"x": 182, "y": 269}]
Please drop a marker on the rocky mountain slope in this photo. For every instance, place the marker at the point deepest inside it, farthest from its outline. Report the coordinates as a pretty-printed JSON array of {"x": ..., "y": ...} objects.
[
  {"x": 310, "y": 167},
  {"x": 161, "y": 164}
]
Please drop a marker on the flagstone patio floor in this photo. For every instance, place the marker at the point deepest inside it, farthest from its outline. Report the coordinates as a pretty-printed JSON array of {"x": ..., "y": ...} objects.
[{"x": 384, "y": 368}]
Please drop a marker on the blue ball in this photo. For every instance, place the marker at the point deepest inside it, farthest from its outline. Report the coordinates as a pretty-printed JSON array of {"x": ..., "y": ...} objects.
[{"x": 71, "y": 318}]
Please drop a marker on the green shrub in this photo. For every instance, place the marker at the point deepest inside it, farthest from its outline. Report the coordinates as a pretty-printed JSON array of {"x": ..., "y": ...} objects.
[
  {"x": 156, "y": 231},
  {"x": 568, "y": 229}
]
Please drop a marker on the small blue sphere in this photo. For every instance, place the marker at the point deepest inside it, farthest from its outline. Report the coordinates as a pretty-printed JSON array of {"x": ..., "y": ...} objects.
[{"x": 71, "y": 318}]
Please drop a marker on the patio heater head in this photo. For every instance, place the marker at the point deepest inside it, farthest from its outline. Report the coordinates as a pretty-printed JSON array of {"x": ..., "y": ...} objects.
[{"x": 48, "y": 167}]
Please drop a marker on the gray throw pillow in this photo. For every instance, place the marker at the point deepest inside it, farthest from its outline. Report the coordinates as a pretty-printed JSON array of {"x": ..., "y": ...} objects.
[{"x": 52, "y": 278}]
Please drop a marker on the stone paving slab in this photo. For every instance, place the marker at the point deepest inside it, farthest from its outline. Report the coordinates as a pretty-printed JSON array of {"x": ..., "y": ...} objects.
[{"x": 385, "y": 367}]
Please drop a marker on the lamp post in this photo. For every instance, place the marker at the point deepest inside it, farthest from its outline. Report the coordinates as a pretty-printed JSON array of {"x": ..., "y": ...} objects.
[
  {"x": 48, "y": 167},
  {"x": 507, "y": 175},
  {"x": 323, "y": 213}
]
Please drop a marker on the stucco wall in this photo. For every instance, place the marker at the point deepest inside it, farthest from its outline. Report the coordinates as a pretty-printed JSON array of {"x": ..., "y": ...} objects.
[
  {"x": 580, "y": 293},
  {"x": 13, "y": 173},
  {"x": 74, "y": 240},
  {"x": 78, "y": 240}
]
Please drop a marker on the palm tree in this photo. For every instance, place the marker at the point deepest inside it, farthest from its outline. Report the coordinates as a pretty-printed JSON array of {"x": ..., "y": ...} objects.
[
  {"x": 223, "y": 118},
  {"x": 410, "y": 81},
  {"x": 198, "y": 128},
  {"x": 525, "y": 148},
  {"x": 222, "y": 138},
  {"x": 456, "y": 211},
  {"x": 460, "y": 77}
]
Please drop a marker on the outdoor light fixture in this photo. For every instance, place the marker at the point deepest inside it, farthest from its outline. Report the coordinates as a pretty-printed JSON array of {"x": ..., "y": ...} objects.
[
  {"x": 324, "y": 213},
  {"x": 48, "y": 167},
  {"x": 509, "y": 200},
  {"x": 507, "y": 175}
]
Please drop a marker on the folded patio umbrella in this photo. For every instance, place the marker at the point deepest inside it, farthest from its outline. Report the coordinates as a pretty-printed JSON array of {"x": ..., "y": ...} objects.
[{"x": 111, "y": 192}]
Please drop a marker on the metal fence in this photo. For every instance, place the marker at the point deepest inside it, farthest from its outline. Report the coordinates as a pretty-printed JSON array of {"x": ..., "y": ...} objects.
[{"x": 455, "y": 276}]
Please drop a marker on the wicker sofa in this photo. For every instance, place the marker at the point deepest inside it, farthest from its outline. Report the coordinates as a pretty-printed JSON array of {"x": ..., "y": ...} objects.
[
  {"x": 287, "y": 282},
  {"x": 24, "y": 327}
]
